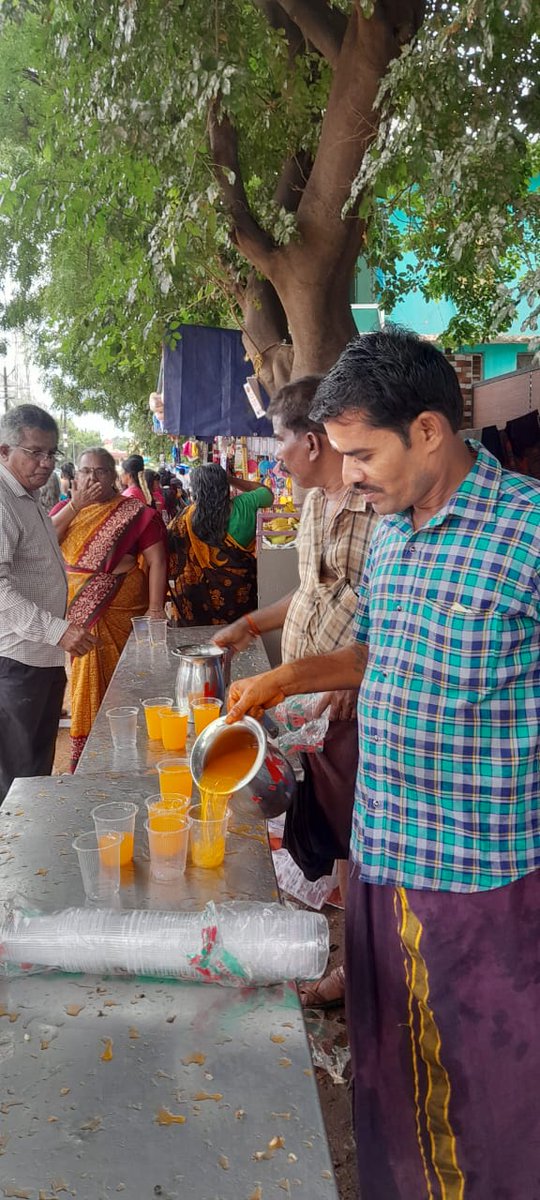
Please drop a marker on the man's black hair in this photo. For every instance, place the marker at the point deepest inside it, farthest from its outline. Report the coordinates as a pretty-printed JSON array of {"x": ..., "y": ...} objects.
[
  {"x": 293, "y": 402},
  {"x": 390, "y": 376}
]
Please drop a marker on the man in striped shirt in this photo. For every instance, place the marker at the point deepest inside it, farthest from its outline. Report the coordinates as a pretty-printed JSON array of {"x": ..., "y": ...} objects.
[
  {"x": 442, "y": 927},
  {"x": 34, "y": 634}
]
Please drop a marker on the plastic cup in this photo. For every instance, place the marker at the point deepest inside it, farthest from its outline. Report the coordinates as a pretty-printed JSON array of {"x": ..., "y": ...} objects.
[
  {"x": 158, "y": 631},
  {"x": 157, "y": 805},
  {"x": 207, "y": 838},
  {"x": 117, "y": 818},
  {"x": 168, "y": 837},
  {"x": 175, "y": 776},
  {"x": 123, "y": 726},
  {"x": 205, "y": 710},
  {"x": 141, "y": 630},
  {"x": 174, "y": 727},
  {"x": 152, "y": 714},
  {"x": 99, "y": 863}
]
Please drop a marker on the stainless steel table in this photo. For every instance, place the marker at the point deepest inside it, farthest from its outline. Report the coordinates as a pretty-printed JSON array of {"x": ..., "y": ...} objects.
[
  {"x": 141, "y": 673},
  {"x": 98, "y": 1072}
]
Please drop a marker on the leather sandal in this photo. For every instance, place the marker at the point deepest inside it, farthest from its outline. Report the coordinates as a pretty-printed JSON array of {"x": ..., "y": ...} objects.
[{"x": 325, "y": 993}]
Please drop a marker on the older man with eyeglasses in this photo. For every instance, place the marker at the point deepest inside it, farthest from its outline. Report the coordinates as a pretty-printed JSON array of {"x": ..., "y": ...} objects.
[{"x": 34, "y": 634}]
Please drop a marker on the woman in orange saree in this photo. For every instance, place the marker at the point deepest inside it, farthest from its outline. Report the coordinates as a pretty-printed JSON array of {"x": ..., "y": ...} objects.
[
  {"x": 212, "y": 549},
  {"x": 116, "y": 568}
]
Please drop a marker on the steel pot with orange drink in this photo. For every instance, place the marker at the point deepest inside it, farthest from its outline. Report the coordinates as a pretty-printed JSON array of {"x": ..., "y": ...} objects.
[{"x": 226, "y": 758}]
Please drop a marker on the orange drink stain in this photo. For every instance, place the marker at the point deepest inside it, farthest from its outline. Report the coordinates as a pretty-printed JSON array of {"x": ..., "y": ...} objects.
[{"x": 174, "y": 727}]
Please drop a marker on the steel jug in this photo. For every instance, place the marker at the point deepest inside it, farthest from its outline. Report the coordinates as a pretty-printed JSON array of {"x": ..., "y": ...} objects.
[
  {"x": 200, "y": 672},
  {"x": 270, "y": 780}
]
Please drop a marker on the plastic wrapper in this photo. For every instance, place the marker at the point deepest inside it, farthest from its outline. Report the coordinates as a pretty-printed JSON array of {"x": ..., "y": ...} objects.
[
  {"x": 235, "y": 944},
  {"x": 302, "y": 731}
]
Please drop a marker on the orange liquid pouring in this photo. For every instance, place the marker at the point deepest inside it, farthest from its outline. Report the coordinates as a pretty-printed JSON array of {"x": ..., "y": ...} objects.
[{"x": 229, "y": 760}]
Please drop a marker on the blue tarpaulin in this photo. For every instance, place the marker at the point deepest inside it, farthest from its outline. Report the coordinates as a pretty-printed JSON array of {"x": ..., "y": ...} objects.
[{"x": 203, "y": 386}]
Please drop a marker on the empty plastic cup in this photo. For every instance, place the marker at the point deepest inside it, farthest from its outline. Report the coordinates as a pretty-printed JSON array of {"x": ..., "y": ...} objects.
[
  {"x": 174, "y": 727},
  {"x": 205, "y": 710},
  {"x": 207, "y": 838},
  {"x": 152, "y": 713},
  {"x": 141, "y": 630},
  {"x": 173, "y": 803},
  {"x": 158, "y": 631},
  {"x": 99, "y": 862},
  {"x": 117, "y": 818},
  {"x": 168, "y": 837},
  {"x": 175, "y": 776},
  {"x": 123, "y": 726}
]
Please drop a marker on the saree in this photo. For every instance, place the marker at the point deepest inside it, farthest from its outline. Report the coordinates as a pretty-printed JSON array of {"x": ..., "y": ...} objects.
[
  {"x": 213, "y": 585},
  {"x": 98, "y": 600}
]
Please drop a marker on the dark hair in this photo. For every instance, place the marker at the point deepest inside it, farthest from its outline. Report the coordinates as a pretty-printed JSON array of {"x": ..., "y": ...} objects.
[
  {"x": 390, "y": 376},
  {"x": 67, "y": 470},
  {"x": 151, "y": 477},
  {"x": 134, "y": 466},
  {"x": 212, "y": 498},
  {"x": 293, "y": 404},
  {"x": 24, "y": 416},
  {"x": 164, "y": 476}
]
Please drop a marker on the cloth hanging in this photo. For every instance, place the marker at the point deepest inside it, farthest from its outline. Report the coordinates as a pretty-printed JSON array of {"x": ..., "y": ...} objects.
[{"x": 204, "y": 378}]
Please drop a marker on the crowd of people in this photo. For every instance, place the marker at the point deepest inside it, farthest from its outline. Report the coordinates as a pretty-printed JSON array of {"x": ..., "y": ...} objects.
[{"x": 417, "y": 619}]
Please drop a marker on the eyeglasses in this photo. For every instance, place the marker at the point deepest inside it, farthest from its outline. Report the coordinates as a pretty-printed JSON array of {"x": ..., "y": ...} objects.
[
  {"x": 49, "y": 456},
  {"x": 101, "y": 472}
]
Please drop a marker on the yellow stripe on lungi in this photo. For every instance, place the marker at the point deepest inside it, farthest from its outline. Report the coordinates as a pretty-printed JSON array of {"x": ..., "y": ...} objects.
[
  {"x": 437, "y": 1099},
  {"x": 411, "y": 981}
]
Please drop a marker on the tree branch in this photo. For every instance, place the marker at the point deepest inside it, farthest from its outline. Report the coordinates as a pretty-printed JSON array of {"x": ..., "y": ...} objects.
[
  {"x": 293, "y": 179},
  {"x": 321, "y": 25},
  {"x": 246, "y": 233},
  {"x": 278, "y": 19}
]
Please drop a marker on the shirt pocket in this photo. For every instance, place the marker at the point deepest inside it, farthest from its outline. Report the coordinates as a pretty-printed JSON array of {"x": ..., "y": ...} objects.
[{"x": 451, "y": 647}]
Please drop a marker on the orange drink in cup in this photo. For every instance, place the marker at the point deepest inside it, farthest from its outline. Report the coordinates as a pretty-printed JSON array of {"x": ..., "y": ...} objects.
[
  {"x": 152, "y": 712},
  {"x": 174, "y": 727},
  {"x": 207, "y": 838},
  {"x": 116, "y": 818},
  {"x": 205, "y": 710},
  {"x": 157, "y": 806},
  {"x": 174, "y": 776}
]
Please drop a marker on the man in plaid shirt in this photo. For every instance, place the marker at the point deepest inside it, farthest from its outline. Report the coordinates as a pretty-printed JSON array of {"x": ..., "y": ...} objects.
[{"x": 442, "y": 929}]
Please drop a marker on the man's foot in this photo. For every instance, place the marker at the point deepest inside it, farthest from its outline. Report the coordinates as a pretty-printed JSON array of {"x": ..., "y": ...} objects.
[{"x": 325, "y": 993}]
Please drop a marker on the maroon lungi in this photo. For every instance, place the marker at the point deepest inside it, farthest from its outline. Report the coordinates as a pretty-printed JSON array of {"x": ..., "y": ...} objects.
[{"x": 443, "y": 1004}]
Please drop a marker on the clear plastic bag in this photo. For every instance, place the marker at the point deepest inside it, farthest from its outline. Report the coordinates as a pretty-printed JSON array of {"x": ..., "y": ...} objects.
[
  {"x": 235, "y": 944},
  {"x": 302, "y": 731}
]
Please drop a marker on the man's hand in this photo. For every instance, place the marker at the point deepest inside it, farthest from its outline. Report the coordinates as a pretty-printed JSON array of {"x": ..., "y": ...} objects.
[
  {"x": 85, "y": 491},
  {"x": 342, "y": 705},
  {"x": 253, "y": 696},
  {"x": 236, "y": 636},
  {"x": 78, "y": 641}
]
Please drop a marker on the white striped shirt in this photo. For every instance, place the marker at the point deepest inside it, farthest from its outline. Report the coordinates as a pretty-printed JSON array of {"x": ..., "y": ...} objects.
[{"x": 33, "y": 588}]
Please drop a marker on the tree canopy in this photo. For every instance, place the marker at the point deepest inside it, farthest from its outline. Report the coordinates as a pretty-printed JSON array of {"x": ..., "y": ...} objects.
[{"x": 220, "y": 162}]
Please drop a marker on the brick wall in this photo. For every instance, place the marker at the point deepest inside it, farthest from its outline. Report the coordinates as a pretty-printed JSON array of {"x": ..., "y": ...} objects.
[{"x": 468, "y": 368}]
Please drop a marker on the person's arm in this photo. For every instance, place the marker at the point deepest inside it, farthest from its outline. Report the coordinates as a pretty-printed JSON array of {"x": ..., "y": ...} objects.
[
  {"x": 156, "y": 560},
  {"x": 238, "y": 635},
  {"x": 320, "y": 673},
  {"x": 249, "y": 485},
  {"x": 83, "y": 494}
]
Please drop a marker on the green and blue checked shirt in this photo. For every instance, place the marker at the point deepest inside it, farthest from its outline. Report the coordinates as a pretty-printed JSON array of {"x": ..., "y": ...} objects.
[{"x": 448, "y": 782}]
